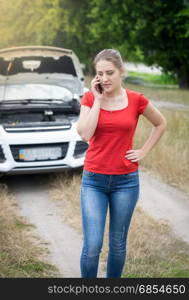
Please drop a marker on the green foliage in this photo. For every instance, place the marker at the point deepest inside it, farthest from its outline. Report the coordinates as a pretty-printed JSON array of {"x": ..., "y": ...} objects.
[
  {"x": 157, "y": 33},
  {"x": 163, "y": 36},
  {"x": 28, "y": 22},
  {"x": 112, "y": 26}
]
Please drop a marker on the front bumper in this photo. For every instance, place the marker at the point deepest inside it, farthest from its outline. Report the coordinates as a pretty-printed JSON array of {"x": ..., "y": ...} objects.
[{"x": 70, "y": 160}]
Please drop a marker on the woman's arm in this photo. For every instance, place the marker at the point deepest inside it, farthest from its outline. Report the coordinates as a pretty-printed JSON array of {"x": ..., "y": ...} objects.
[
  {"x": 88, "y": 117},
  {"x": 88, "y": 120},
  {"x": 160, "y": 123}
]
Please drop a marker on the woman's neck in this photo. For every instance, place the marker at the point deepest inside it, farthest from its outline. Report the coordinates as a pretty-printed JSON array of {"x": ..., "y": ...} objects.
[{"x": 116, "y": 93}]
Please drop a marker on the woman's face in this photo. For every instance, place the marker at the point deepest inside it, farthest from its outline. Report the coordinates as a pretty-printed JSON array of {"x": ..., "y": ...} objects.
[{"x": 109, "y": 75}]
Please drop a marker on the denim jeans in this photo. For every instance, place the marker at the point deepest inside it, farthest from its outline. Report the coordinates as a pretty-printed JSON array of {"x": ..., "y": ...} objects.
[{"x": 99, "y": 192}]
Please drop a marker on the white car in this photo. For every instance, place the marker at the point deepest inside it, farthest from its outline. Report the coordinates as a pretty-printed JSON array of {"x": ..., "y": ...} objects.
[{"x": 40, "y": 92}]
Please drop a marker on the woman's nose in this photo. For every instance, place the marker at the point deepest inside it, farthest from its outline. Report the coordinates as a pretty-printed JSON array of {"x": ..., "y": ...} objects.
[{"x": 104, "y": 78}]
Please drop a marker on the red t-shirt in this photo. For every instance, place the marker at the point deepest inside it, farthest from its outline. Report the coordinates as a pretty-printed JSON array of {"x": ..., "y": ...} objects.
[{"x": 114, "y": 136}]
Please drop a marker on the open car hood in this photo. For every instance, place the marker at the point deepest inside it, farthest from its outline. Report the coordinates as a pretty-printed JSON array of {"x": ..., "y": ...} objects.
[{"x": 41, "y": 64}]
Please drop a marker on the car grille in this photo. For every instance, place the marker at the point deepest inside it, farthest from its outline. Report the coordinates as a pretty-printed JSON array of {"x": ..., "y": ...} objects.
[
  {"x": 16, "y": 148},
  {"x": 37, "y": 127},
  {"x": 80, "y": 148},
  {"x": 2, "y": 155}
]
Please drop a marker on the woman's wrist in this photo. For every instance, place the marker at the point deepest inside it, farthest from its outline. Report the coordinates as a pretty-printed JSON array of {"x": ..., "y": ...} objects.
[
  {"x": 97, "y": 102},
  {"x": 144, "y": 150}
]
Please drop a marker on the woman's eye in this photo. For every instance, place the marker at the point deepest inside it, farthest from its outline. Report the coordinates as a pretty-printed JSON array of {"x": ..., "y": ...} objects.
[{"x": 110, "y": 73}]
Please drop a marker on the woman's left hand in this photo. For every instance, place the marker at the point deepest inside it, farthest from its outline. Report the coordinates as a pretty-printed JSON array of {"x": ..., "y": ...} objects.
[{"x": 135, "y": 155}]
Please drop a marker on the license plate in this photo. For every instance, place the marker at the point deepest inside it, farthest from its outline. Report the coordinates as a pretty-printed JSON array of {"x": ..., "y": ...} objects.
[{"x": 43, "y": 153}]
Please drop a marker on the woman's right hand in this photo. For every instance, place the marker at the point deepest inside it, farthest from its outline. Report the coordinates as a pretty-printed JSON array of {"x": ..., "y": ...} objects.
[{"x": 94, "y": 88}]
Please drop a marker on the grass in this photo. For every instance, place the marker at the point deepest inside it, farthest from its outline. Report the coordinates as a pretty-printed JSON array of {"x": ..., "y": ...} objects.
[
  {"x": 153, "y": 250},
  {"x": 163, "y": 79},
  {"x": 20, "y": 252}
]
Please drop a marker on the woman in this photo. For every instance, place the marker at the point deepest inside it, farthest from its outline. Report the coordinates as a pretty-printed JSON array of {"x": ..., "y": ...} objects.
[{"x": 108, "y": 118}]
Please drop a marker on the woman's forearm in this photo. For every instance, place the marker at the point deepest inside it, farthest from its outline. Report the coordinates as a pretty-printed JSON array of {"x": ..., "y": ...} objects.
[
  {"x": 159, "y": 126},
  {"x": 87, "y": 127}
]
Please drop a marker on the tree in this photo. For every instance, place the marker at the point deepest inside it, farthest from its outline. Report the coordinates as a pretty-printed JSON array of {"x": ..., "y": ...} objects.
[
  {"x": 157, "y": 32},
  {"x": 113, "y": 25},
  {"x": 163, "y": 36}
]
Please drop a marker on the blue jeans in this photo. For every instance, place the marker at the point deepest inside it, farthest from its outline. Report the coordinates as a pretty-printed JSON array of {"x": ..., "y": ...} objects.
[{"x": 98, "y": 192}]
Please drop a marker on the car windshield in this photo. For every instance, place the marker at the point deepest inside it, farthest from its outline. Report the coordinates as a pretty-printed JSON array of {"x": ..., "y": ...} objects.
[{"x": 34, "y": 91}]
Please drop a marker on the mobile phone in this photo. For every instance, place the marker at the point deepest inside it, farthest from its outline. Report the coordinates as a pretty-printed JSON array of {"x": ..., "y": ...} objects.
[{"x": 99, "y": 88}]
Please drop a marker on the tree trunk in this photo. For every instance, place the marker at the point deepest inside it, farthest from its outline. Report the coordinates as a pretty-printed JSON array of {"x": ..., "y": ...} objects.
[{"x": 183, "y": 78}]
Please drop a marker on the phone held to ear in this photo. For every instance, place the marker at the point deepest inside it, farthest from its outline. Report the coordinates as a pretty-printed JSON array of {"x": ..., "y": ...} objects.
[{"x": 99, "y": 88}]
